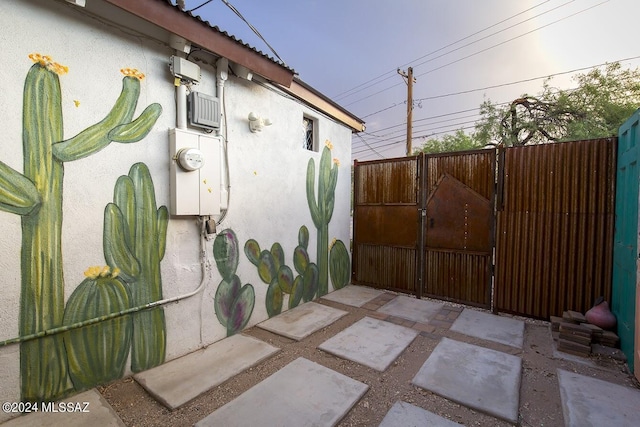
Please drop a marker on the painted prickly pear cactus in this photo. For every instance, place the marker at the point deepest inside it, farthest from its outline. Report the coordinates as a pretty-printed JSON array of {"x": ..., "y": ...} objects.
[
  {"x": 339, "y": 265},
  {"x": 280, "y": 278},
  {"x": 36, "y": 195},
  {"x": 321, "y": 209},
  {"x": 233, "y": 302},
  {"x": 97, "y": 353},
  {"x": 135, "y": 235}
]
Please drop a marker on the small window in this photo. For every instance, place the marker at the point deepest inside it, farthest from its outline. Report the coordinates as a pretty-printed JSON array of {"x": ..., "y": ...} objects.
[{"x": 308, "y": 133}]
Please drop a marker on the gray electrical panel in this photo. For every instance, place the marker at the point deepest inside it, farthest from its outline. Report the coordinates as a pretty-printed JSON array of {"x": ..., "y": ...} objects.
[{"x": 204, "y": 111}]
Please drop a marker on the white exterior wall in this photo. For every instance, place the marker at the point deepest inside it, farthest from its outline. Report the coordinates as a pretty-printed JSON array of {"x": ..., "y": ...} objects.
[{"x": 267, "y": 170}]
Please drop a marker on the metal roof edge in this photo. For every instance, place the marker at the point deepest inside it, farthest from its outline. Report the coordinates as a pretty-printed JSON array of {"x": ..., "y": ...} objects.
[
  {"x": 184, "y": 24},
  {"x": 313, "y": 97}
]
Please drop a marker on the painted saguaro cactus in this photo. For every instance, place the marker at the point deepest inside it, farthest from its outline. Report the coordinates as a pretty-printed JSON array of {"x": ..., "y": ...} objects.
[
  {"x": 321, "y": 208},
  {"x": 36, "y": 195},
  {"x": 135, "y": 235},
  {"x": 97, "y": 353},
  {"x": 233, "y": 302}
]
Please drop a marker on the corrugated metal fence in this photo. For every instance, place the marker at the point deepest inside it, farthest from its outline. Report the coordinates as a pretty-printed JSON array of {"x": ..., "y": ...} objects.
[
  {"x": 550, "y": 221},
  {"x": 554, "y": 241}
]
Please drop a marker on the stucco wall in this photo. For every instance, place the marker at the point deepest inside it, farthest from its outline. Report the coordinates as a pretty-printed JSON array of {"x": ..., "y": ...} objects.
[{"x": 268, "y": 198}]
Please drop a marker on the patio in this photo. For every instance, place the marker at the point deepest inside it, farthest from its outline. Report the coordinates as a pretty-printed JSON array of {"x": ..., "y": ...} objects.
[{"x": 372, "y": 358}]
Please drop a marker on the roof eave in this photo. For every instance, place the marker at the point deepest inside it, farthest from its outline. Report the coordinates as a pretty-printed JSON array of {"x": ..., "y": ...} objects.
[
  {"x": 312, "y": 97},
  {"x": 172, "y": 19}
]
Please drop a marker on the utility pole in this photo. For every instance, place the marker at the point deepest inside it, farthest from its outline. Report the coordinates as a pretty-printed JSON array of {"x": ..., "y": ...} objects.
[{"x": 410, "y": 80}]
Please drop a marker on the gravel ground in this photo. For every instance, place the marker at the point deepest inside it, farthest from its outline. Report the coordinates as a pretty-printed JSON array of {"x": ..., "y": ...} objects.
[{"x": 539, "y": 394}]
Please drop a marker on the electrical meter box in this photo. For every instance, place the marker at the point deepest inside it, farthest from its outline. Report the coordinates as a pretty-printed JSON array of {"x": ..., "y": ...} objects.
[{"x": 195, "y": 173}]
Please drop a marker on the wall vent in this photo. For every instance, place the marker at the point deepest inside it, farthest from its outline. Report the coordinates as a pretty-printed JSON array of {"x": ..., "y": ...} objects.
[{"x": 204, "y": 111}]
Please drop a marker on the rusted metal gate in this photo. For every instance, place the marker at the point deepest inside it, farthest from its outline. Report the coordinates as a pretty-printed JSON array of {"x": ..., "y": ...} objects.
[
  {"x": 427, "y": 225},
  {"x": 458, "y": 227},
  {"x": 426, "y": 220},
  {"x": 385, "y": 224}
]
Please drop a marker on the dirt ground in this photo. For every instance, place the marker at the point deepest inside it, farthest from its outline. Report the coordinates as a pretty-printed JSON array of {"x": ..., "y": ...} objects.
[{"x": 540, "y": 403}]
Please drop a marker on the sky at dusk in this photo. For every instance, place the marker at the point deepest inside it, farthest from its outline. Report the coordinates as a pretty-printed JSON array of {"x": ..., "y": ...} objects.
[{"x": 350, "y": 51}]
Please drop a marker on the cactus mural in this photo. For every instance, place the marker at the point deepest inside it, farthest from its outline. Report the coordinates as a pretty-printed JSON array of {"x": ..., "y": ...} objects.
[
  {"x": 97, "y": 353},
  {"x": 36, "y": 195},
  {"x": 135, "y": 235},
  {"x": 273, "y": 271},
  {"x": 233, "y": 302},
  {"x": 339, "y": 265},
  {"x": 321, "y": 208}
]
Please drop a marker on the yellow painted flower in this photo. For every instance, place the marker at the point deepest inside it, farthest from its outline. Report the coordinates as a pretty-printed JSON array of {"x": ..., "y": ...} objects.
[
  {"x": 105, "y": 271},
  {"x": 336, "y": 161},
  {"x": 328, "y": 144},
  {"x": 333, "y": 242},
  {"x": 132, "y": 72},
  {"x": 75, "y": 101},
  {"x": 92, "y": 272},
  {"x": 115, "y": 272},
  {"x": 46, "y": 62}
]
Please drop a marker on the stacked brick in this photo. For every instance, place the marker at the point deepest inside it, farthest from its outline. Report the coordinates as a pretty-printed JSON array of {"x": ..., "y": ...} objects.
[{"x": 574, "y": 335}]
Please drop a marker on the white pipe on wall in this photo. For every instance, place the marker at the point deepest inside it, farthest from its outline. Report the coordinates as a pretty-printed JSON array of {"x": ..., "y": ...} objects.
[
  {"x": 222, "y": 74},
  {"x": 181, "y": 106}
]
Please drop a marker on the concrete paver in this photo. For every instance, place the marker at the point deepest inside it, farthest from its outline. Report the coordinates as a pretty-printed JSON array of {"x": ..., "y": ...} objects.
[
  {"x": 303, "y": 393},
  {"x": 355, "y": 296},
  {"x": 181, "y": 380},
  {"x": 403, "y": 414},
  {"x": 477, "y": 377},
  {"x": 490, "y": 327},
  {"x": 590, "y": 402},
  {"x": 90, "y": 409},
  {"x": 302, "y": 321},
  {"x": 411, "y": 309},
  {"x": 306, "y": 393},
  {"x": 370, "y": 342}
]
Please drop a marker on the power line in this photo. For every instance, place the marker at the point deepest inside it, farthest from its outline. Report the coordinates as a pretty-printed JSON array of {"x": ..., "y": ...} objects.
[
  {"x": 390, "y": 144},
  {"x": 370, "y": 147},
  {"x": 510, "y": 83},
  {"x": 484, "y": 50},
  {"x": 257, "y": 33},
  {"x": 475, "y": 41},
  {"x": 198, "y": 7},
  {"x": 455, "y": 127},
  {"x": 343, "y": 94},
  {"x": 251, "y": 27},
  {"x": 423, "y": 125}
]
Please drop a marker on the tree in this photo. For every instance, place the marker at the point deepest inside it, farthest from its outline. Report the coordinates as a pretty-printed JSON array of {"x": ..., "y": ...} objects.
[
  {"x": 458, "y": 141},
  {"x": 602, "y": 101}
]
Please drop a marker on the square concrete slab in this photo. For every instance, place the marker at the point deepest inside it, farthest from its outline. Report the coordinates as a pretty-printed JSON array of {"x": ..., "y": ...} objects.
[
  {"x": 355, "y": 296},
  {"x": 302, "y": 321},
  {"x": 490, "y": 327},
  {"x": 589, "y": 401},
  {"x": 406, "y": 414},
  {"x": 370, "y": 342},
  {"x": 477, "y": 377},
  {"x": 92, "y": 410},
  {"x": 303, "y": 393},
  {"x": 413, "y": 309},
  {"x": 181, "y": 380}
]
